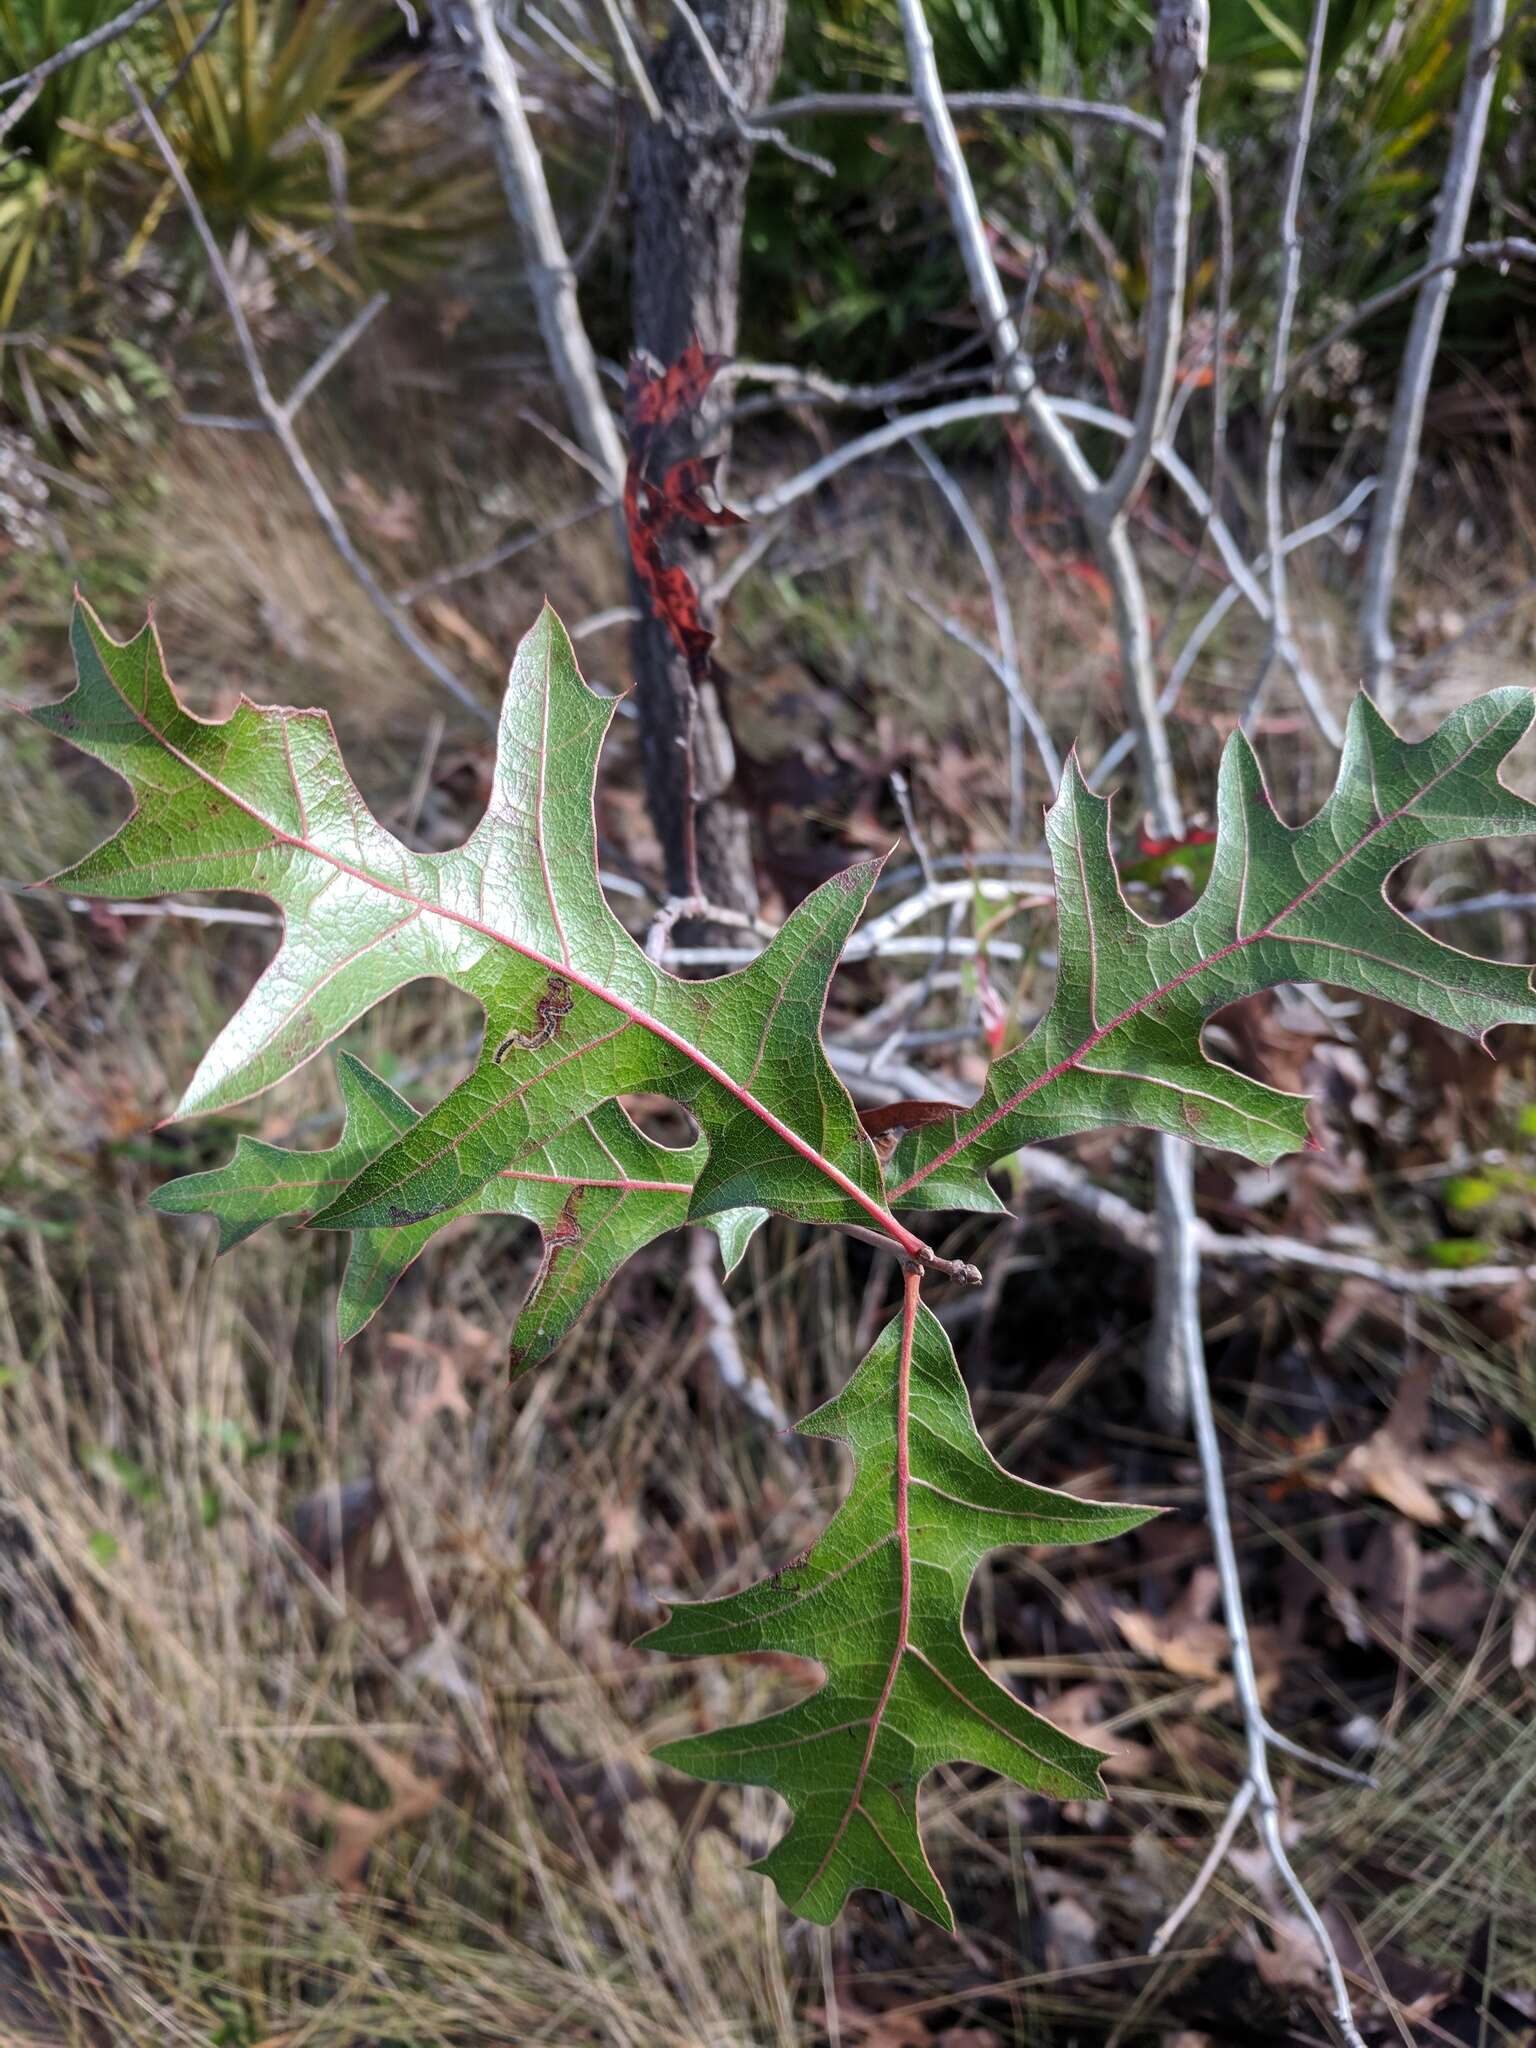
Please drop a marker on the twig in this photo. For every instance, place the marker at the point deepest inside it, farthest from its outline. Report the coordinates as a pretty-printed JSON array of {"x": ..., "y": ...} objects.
[
  {"x": 1283, "y": 645},
  {"x": 1137, "y": 1231},
  {"x": 608, "y": 199},
  {"x": 1261, "y": 1791},
  {"x": 720, "y": 1330},
  {"x": 1023, "y": 713},
  {"x": 1178, "y": 64},
  {"x": 716, "y": 589},
  {"x": 1099, "y": 113},
  {"x": 936, "y": 895},
  {"x": 1508, "y": 249},
  {"x": 1179, "y": 60},
  {"x": 905, "y": 427},
  {"x": 894, "y": 949},
  {"x": 279, "y": 420},
  {"x": 799, "y": 385},
  {"x": 1421, "y": 671},
  {"x": 1429, "y": 1282},
  {"x": 1189, "y": 653},
  {"x": 550, "y": 276},
  {"x": 604, "y": 621},
  {"x": 1329, "y": 1766},
  {"x": 901, "y": 790},
  {"x": 629, "y": 57},
  {"x": 29, "y": 84},
  {"x": 1468, "y": 906},
  {"x": 1221, "y": 191},
  {"x": 678, "y": 907},
  {"x": 195, "y": 49},
  {"x": 482, "y": 565},
  {"x": 994, "y": 405},
  {"x": 325, "y": 362},
  {"x": 565, "y": 44},
  {"x": 588, "y": 464},
  {"x": 957, "y": 631},
  {"x": 1215, "y": 1856},
  {"x": 778, "y": 497},
  {"x": 1378, "y": 649},
  {"x": 959, "y": 1270},
  {"x": 165, "y": 906},
  {"x": 1225, "y": 265},
  {"x": 753, "y": 130}
]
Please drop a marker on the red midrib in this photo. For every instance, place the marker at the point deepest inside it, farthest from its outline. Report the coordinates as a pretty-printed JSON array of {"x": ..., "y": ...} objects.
[
  {"x": 913, "y": 1246},
  {"x": 1237, "y": 945},
  {"x": 911, "y": 1294}
]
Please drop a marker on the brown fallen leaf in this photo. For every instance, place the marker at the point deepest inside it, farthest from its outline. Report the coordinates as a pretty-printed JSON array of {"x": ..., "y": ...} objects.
[
  {"x": 1079, "y": 1712},
  {"x": 392, "y": 519},
  {"x": 450, "y": 620},
  {"x": 356, "y": 1831},
  {"x": 1394, "y": 1585},
  {"x": 1073, "y": 1934},
  {"x": 1389, "y": 1463},
  {"x": 621, "y": 1530},
  {"x": 1393, "y": 1464},
  {"x": 1191, "y": 1643},
  {"x": 1185, "y": 1640},
  {"x": 877, "y": 2029},
  {"x": 446, "y": 1390},
  {"x": 1286, "y": 1954}
]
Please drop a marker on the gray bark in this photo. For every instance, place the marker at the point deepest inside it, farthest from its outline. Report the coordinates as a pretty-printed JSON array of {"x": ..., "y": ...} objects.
[{"x": 688, "y": 185}]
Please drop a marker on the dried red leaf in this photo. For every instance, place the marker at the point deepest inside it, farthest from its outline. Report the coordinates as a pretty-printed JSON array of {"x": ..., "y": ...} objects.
[
  {"x": 654, "y": 402},
  {"x": 994, "y": 1011},
  {"x": 657, "y": 399},
  {"x": 903, "y": 1116},
  {"x": 888, "y": 1125},
  {"x": 682, "y": 491},
  {"x": 1154, "y": 849}
]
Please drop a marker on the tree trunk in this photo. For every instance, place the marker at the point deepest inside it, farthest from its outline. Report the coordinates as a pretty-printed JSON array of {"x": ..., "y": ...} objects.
[{"x": 688, "y": 188}]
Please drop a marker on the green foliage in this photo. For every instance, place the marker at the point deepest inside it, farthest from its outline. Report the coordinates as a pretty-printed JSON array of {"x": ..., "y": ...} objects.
[
  {"x": 1121, "y": 1040},
  {"x": 48, "y": 173},
  {"x": 599, "y": 1191},
  {"x": 878, "y": 1604},
  {"x": 575, "y": 1012},
  {"x": 577, "y": 1016},
  {"x": 283, "y": 124},
  {"x": 294, "y": 128},
  {"x": 868, "y": 276}
]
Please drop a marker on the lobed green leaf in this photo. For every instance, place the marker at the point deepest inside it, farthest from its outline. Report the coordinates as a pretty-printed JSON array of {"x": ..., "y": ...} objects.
[
  {"x": 576, "y": 1014},
  {"x": 1121, "y": 1042},
  {"x": 599, "y": 1192},
  {"x": 878, "y": 1604}
]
